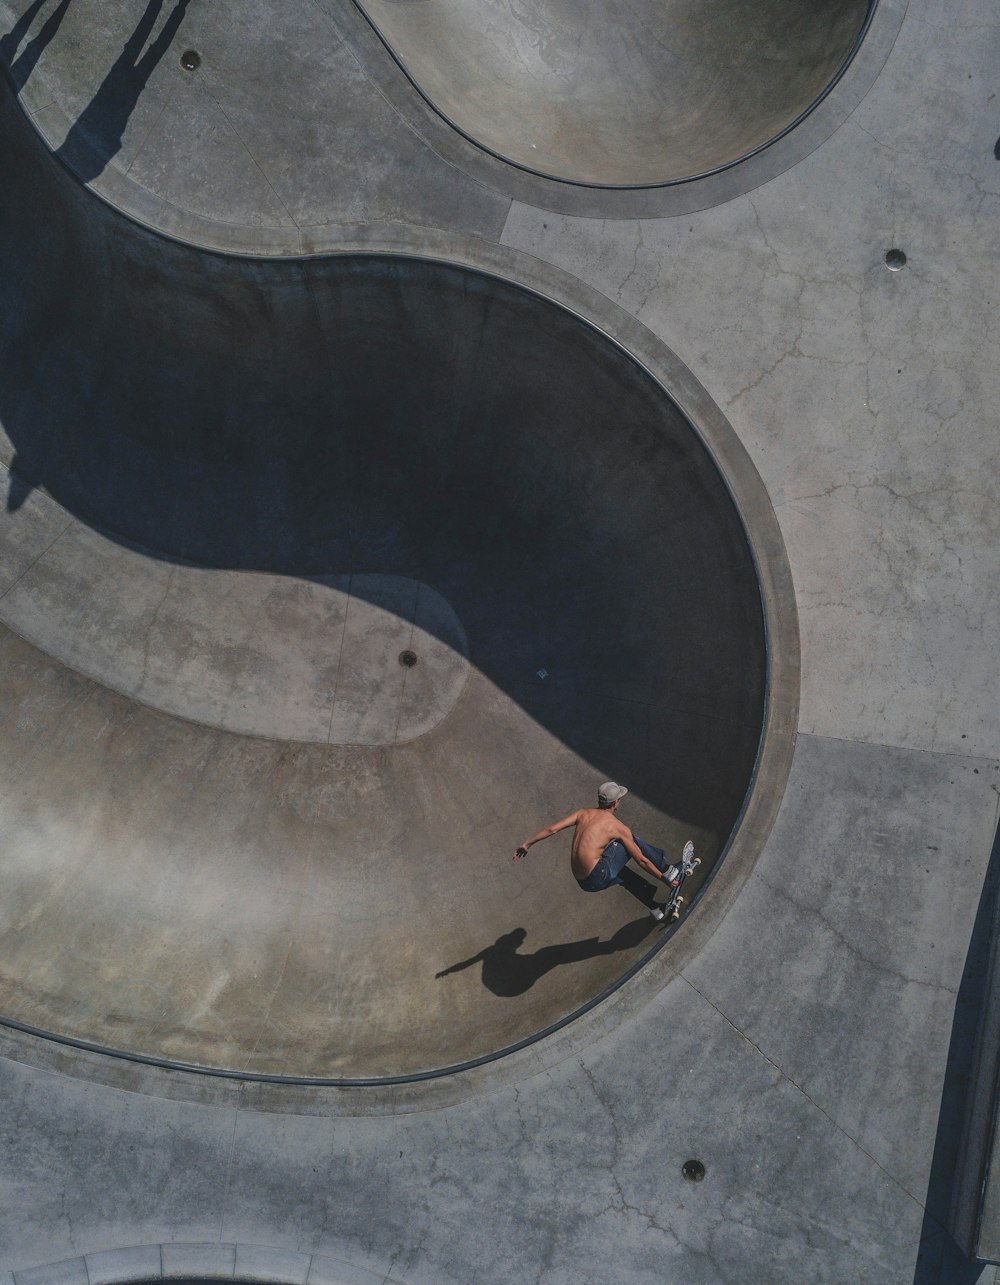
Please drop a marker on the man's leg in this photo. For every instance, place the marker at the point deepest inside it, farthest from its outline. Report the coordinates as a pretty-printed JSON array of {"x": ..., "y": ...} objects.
[
  {"x": 656, "y": 855},
  {"x": 617, "y": 855},
  {"x": 617, "y": 859},
  {"x": 658, "y": 858},
  {"x": 671, "y": 874}
]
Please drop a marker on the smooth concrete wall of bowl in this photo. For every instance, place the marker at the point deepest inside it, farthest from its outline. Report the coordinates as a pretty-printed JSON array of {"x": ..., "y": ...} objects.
[
  {"x": 314, "y": 443},
  {"x": 811, "y": 1048},
  {"x": 622, "y": 94}
]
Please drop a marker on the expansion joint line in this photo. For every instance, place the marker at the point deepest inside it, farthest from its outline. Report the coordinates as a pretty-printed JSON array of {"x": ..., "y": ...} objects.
[
  {"x": 799, "y": 1089},
  {"x": 229, "y": 1174},
  {"x": 35, "y": 561}
]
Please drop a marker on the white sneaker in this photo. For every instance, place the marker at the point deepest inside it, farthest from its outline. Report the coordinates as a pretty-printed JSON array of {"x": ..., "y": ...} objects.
[
  {"x": 688, "y": 852},
  {"x": 657, "y": 912}
]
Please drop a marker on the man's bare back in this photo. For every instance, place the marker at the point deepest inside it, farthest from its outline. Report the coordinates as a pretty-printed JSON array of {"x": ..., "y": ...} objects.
[{"x": 595, "y": 828}]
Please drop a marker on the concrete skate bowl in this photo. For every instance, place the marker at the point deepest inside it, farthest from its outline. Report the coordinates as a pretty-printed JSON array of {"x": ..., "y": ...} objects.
[
  {"x": 210, "y": 456},
  {"x": 632, "y": 93}
]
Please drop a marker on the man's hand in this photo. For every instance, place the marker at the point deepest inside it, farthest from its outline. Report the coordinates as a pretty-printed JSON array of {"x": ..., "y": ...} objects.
[{"x": 521, "y": 852}]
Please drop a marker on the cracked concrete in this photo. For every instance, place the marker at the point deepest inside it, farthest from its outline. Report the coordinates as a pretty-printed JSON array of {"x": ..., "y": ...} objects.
[
  {"x": 806, "y": 1051},
  {"x": 859, "y": 391}
]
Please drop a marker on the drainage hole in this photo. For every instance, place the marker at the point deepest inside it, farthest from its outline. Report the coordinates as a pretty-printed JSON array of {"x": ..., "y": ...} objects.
[
  {"x": 693, "y": 1170},
  {"x": 407, "y": 659},
  {"x": 190, "y": 60},
  {"x": 894, "y": 260}
]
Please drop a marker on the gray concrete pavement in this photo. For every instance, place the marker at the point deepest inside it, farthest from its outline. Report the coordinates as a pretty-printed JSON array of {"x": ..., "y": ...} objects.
[{"x": 807, "y": 1047}]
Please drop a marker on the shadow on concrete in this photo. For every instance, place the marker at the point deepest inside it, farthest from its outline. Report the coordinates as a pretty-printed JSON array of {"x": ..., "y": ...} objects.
[
  {"x": 366, "y": 415},
  {"x": 401, "y": 417},
  {"x": 96, "y": 136},
  {"x": 940, "y": 1260},
  {"x": 507, "y": 973},
  {"x": 21, "y": 65}
]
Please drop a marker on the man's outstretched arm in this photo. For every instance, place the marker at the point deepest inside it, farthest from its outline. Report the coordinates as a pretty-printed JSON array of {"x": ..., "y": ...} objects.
[{"x": 522, "y": 851}]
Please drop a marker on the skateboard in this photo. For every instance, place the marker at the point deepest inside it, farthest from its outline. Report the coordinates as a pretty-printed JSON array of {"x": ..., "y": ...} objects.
[{"x": 674, "y": 904}]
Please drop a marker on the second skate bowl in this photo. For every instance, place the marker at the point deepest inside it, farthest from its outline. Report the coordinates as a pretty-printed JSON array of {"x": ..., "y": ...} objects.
[
  {"x": 324, "y": 583},
  {"x": 621, "y": 93}
]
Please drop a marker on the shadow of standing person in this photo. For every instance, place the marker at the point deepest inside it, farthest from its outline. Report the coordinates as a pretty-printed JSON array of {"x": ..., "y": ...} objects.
[
  {"x": 507, "y": 973},
  {"x": 96, "y": 135},
  {"x": 22, "y": 65}
]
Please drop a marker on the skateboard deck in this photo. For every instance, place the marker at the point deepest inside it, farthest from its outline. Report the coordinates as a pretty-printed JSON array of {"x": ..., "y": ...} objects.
[{"x": 674, "y": 904}]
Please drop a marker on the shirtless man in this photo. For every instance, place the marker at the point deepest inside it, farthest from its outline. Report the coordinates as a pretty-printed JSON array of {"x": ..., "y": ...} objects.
[{"x": 602, "y": 846}]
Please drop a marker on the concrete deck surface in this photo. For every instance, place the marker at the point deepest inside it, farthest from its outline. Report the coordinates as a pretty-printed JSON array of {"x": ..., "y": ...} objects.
[{"x": 812, "y": 1049}]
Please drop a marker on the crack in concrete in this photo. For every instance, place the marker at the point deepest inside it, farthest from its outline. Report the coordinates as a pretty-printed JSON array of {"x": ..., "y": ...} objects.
[
  {"x": 253, "y": 159},
  {"x": 936, "y": 523},
  {"x": 35, "y": 561},
  {"x": 851, "y": 947},
  {"x": 799, "y": 1089},
  {"x": 147, "y": 642},
  {"x": 229, "y": 1174},
  {"x": 622, "y": 1205}
]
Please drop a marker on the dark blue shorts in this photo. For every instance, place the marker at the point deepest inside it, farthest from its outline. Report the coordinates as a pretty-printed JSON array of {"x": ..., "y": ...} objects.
[{"x": 613, "y": 861}]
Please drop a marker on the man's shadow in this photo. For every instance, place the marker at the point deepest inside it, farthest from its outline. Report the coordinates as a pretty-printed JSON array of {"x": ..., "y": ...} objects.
[
  {"x": 21, "y": 64},
  {"x": 96, "y": 136},
  {"x": 507, "y": 973}
]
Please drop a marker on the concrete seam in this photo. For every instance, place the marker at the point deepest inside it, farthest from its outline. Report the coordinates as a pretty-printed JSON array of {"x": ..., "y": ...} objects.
[
  {"x": 502, "y": 238},
  {"x": 229, "y": 1174},
  {"x": 35, "y": 561},
  {"x": 409, "y": 644},
  {"x": 263, "y": 173},
  {"x": 906, "y": 749},
  {"x": 410, "y": 125},
  {"x": 883, "y": 60},
  {"x": 149, "y": 133},
  {"x": 898, "y": 151},
  {"x": 270, "y": 1003},
  {"x": 798, "y": 1087},
  {"x": 123, "y": 1252},
  {"x": 340, "y": 656}
]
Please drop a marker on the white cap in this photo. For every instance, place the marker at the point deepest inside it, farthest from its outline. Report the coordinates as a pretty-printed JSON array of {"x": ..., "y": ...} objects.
[{"x": 610, "y": 792}]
